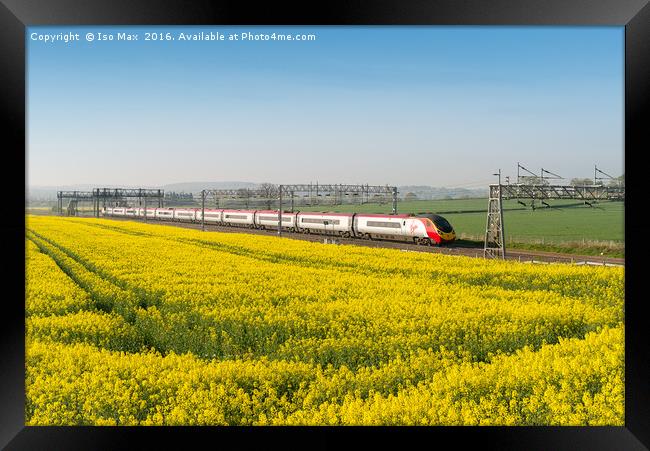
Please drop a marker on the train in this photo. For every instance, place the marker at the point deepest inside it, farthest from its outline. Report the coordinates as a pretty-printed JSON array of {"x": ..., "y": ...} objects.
[{"x": 426, "y": 229}]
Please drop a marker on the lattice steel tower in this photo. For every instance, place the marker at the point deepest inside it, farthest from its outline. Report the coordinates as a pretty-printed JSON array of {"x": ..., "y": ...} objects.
[{"x": 494, "y": 238}]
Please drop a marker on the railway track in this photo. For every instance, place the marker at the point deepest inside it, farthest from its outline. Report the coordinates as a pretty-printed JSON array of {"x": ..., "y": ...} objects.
[{"x": 539, "y": 257}]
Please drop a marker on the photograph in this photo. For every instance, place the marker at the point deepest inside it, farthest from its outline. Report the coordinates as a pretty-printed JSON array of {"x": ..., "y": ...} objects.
[{"x": 324, "y": 225}]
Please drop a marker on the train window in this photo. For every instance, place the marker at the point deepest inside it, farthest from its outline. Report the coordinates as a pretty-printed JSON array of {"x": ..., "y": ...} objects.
[
  {"x": 442, "y": 224},
  {"x": 273, "y": 218},
  {"x": 320, "y": 221},
  {"x": 236, "y": 216},
  {"x": 392, "y": 225}
]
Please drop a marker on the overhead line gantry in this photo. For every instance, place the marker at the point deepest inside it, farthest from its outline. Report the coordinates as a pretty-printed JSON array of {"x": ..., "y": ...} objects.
[
  {"x": 100, "y": 197},
  {"x": 311, "y": 190},
  {"x": 494, "y": 245}
]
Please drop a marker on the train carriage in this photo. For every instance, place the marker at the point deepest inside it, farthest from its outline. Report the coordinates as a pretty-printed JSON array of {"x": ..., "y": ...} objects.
[
  {"x": 328, "y": 223},
  {"x": 269, "y": 219},
  {"x": 165, "y": 214},
  {"x": 425, "y": 229},
  {"x": 211, "y": 215},
  {"x": 380, "y": 226},
  {"x": 238, "y": 217},
  {"x": 116, "y": 211},
  {"x": 421, "y": 231},
  {"x": 151, "y": 212},
  {"x": 184, "y": 214}
]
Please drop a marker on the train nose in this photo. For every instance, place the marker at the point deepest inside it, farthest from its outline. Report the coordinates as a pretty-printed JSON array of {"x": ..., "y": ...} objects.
[{"x": 450, "y": 236}]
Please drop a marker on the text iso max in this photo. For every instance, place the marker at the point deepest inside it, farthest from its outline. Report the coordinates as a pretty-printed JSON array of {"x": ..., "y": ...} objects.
[{"x": 113, "y": 36}]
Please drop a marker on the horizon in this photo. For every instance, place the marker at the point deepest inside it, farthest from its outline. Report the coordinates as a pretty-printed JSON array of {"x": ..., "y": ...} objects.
[{"x": 230, "y": 182}]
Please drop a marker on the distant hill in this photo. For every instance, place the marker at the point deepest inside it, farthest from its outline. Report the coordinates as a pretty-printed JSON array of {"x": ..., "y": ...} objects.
[
  {"x": 195, "y": 187},
  {"x": 39, "y": 194},
  {"x": 48, "y": 193},
  {"x": 424, "y": 192}
]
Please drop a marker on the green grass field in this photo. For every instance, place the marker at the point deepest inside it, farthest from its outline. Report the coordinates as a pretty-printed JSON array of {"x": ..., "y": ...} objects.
[{"x": 567, "y": 226}]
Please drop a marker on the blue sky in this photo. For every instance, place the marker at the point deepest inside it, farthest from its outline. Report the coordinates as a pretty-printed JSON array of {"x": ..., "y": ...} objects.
[{"x": 440, "y": 106}]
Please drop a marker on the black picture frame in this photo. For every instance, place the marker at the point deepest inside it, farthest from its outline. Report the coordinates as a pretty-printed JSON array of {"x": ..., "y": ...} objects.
[{"x": 15, "y": 15}]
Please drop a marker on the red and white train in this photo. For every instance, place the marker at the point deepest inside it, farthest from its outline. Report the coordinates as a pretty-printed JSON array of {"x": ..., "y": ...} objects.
[{"x": 429, "y": 229}]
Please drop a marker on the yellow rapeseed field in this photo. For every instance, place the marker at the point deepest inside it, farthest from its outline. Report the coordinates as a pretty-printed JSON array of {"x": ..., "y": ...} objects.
[{"x": 146, "y": 324}]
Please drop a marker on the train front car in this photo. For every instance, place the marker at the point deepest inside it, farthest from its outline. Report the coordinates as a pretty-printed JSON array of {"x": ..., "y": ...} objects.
[{"x": 438, "y": 228}]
